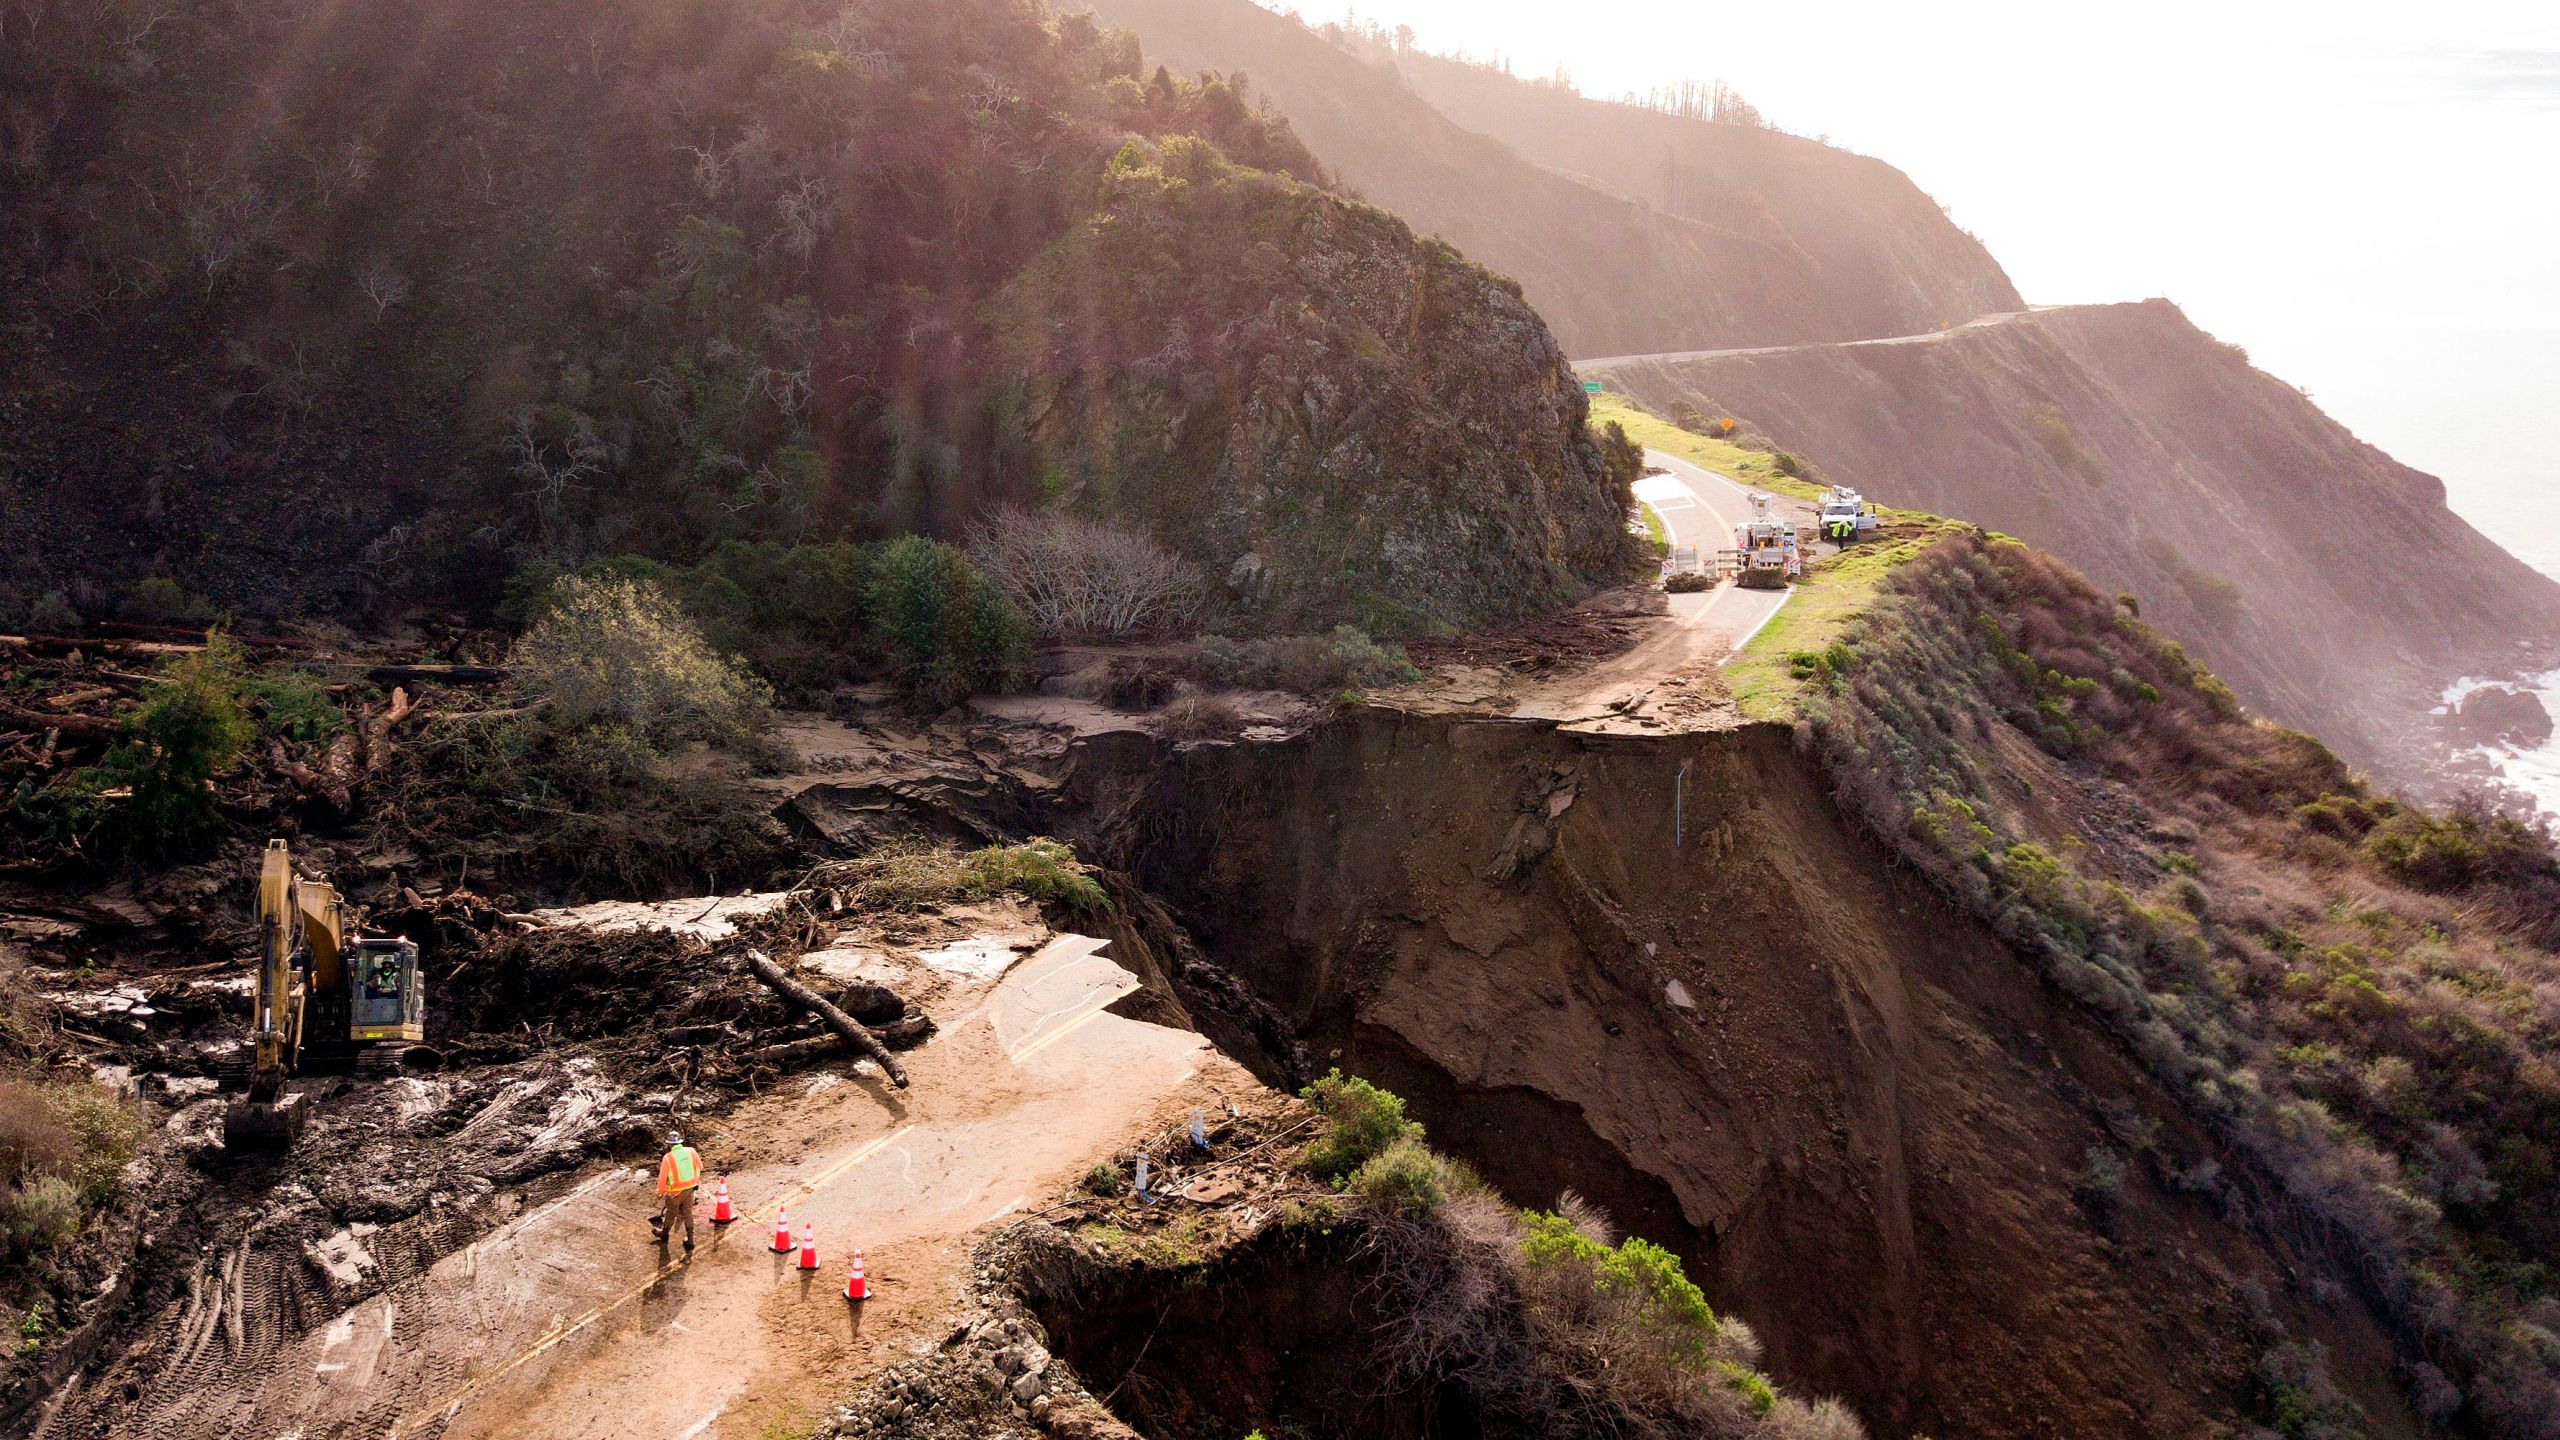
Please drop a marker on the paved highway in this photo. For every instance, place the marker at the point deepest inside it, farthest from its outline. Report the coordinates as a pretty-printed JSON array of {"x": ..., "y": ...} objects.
[
  {"x": 1700, "y": 507},
  {"x": 1930, "y": 337}
]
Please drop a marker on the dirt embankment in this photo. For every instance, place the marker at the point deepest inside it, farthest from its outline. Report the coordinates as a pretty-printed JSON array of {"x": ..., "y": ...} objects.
[
  {"x": 2325, "y": 582},
  {"x": 1770, "y": 239},
  {"x": 1864, "y": 1122}
]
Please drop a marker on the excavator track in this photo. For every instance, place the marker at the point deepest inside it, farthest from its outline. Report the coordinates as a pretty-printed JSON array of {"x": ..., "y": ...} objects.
[{"x": 382, "y": 1059}]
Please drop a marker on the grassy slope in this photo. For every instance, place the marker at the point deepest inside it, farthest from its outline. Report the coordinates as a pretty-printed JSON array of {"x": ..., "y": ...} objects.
[
  {"x": 1765, "y": 677},
  {"x": 1836, "y": 589},
  {"x": 1751, "y": 467}
]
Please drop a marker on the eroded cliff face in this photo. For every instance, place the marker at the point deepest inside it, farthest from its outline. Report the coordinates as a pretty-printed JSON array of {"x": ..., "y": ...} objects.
[
  {"x": 1778, "y": 240},
  {"x": 1665, "y": 974},
  {"x": 2325, "y": 582}
]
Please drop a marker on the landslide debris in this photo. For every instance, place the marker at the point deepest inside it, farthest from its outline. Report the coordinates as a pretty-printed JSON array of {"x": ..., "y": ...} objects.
[{"x": 1242, "y": 1293}]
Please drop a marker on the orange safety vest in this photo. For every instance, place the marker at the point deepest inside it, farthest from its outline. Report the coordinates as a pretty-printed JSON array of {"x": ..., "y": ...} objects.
[{"x": 679, "y": 1171}]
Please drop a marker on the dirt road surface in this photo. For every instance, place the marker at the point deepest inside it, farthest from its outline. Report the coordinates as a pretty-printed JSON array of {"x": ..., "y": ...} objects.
[
  {"x": 569, "y": 1322},
  {"x": 1629, "y": 692}
]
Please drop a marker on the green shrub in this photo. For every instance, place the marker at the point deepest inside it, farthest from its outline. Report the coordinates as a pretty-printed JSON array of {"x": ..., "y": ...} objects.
[
  {"x": 910, "y": 876},
  {"x": 1361, "y": 1121},
  {"x": 941, "y": 631},
  {"x": 793, "y": 612},
  {"x": 1688, "y": 582},
  {"x": 1405, "y": 1178},
  {"x": 294, "y": 705},
  {"x": 159, "y": 600},
  {"x": 105, "y": 1131},
  {"x": 1041, "y": 868},
  {"x": 190, "y": 728},
  {"x": 620, "y": 653},
  {"x": 1344, "y": 659},
  {"x": 1636, "y": 1273},
  {"x": 39, "y": 1216}
]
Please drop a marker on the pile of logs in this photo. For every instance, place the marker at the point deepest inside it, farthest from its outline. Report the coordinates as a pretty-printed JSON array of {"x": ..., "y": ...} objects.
[{"x": 63, "y": 702}]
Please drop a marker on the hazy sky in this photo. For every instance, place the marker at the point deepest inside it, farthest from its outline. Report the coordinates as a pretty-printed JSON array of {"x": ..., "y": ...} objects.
[{"x": 2347, "y": 189}]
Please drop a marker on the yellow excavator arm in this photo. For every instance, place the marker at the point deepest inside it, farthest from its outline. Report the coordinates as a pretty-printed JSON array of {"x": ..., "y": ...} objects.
[{"x": 295, "y": 916}]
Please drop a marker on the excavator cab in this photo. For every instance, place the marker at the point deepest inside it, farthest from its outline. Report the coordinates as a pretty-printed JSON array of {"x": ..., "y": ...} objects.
[{"x": 386, "y": 1003}]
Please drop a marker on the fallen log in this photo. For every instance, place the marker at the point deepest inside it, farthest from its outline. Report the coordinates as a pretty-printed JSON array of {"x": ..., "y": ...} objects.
[
  {"x": 73, "y": 727},
  {"x": 910, "y": 1031},
  {"x": 94, "y": 645},
  {"x": 844, "y": 1025},
  {"x": 85, "y": 695},
  {"x": 436, "y": 674},
  {"x": 377, "y": 728}
]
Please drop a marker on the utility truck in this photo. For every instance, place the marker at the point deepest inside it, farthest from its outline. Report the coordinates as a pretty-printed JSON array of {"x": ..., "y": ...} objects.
[
  {"x": 1766, "y": 546},
  {"x": 1846, "y": 515}
]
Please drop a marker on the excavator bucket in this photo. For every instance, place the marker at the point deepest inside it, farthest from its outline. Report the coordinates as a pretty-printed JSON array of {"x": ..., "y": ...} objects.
[{"x": 259, "y": 1125}]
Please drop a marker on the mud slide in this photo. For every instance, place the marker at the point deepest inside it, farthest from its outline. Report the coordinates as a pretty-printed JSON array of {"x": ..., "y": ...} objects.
[
  {"x": 1661, "y": 971},
  {"x": 568, "y": 1321}
]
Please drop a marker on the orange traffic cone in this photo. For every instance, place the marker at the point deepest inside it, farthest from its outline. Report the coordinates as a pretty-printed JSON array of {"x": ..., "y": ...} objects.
[
  {"x": 855, "y": 1287},
  {"x": 721, "y": 1211},
  {"x": 782, "y": 1230},
  {"x": 808, "y": 1248}
]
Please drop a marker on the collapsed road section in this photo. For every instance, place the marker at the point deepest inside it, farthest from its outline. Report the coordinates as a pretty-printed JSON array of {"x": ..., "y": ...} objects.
[{"x": 565, "y": 1319}]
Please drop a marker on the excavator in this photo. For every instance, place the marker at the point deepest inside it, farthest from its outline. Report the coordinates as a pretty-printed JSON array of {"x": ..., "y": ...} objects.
[{"x": 326, "y": 999}]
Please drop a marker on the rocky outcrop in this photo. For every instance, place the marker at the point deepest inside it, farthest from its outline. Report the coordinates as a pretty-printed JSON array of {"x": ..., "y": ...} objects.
[
  {"x": 607, "y": 279},
  {"x": 1759, "y": 239},
  {"x": 2497, "y": 715},
  {"x": 2328, "y": 584},
  {"x": 1360, "y": 422}
]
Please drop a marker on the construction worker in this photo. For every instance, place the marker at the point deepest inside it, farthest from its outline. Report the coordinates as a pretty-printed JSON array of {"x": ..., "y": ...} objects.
[{"x": 678, "y": 1173}]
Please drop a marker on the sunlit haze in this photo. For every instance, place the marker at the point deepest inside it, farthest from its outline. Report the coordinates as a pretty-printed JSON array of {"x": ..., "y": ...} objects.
[{"x": 2366, "y": 196}]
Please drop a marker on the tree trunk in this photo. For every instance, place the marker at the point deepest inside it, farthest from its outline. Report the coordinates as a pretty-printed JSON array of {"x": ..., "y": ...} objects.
[
  {"x": 73, "y": 727},
  {"x": 791, "y": 1052},
  {"x": 838, "y": 1021}
]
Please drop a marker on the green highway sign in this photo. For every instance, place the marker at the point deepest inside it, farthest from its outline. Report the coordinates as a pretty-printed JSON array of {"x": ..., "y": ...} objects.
[{"x": 1590, "y": 387}]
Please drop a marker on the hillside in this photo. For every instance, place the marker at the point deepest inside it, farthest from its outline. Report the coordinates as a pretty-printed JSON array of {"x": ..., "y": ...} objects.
[
  {"x": 2020, "y": 1037},
  {"x": 2328, "y": 584},
  {"x": 368, "y": 311},
  {"x": 1774, "y": 239}
]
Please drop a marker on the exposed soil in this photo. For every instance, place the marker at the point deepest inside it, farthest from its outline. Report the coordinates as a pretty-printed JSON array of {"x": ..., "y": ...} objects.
[
  {"x": 1853, "y": 1111},
  {"x": 1857, "y": 1113}
]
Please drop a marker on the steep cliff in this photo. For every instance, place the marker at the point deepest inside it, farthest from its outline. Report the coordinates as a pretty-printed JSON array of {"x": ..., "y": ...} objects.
[
  {"x": 307, "y": 309},
  {"x": 1770, "y": 239},
  {"x": 2327, "y": 583},
  {"x": 1757, "y": 1040}
]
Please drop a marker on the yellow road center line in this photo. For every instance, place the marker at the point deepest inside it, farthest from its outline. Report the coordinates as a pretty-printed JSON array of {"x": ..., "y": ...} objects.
[
  {"x": 452, "y": 1399},
  {"x": 1063, "y": 1031}
]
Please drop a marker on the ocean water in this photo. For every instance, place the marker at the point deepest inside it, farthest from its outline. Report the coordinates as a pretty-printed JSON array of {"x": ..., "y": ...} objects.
[
  {"x": 2536, "y": 772},
  {"x": 2478, "y": 406}
]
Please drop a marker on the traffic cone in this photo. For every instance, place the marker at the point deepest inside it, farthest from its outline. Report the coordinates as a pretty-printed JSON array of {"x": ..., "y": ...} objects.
[
  {"x": 855, "y": 1287},
  {"x": 808, "y": 1248},
  {"x": 782, "y": 1230},
  {"x": 721, "y": 1211}
]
